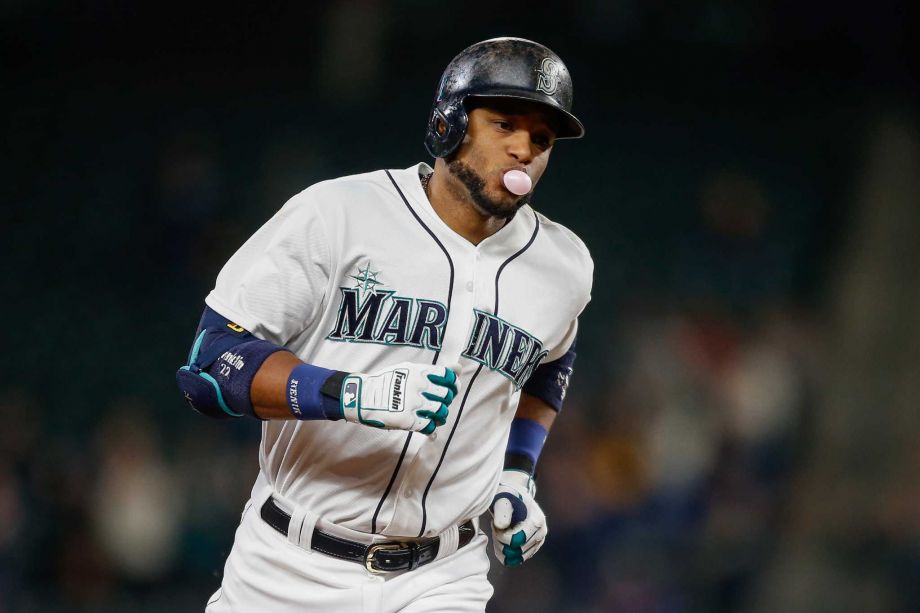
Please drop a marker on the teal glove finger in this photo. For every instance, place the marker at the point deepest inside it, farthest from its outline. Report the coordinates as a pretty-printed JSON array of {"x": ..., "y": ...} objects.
[
  {"x": 449, "y": 380},
  {"x": 438, "y": 417},
  {"x": 446, "y": 398},
  {"x": 429, "y": 428},
  {"x": 512, "y": 552}
]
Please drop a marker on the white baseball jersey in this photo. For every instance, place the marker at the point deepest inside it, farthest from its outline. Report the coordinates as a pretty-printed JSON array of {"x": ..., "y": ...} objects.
[{"x": 358, "y": 273}]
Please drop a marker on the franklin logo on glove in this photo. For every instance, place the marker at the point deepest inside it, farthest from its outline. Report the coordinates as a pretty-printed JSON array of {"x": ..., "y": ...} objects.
[{"x": 399, "y": 376}]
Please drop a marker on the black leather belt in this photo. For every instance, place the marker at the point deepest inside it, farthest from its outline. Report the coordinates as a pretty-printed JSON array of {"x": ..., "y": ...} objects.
[{"x": 377, "y": 558}]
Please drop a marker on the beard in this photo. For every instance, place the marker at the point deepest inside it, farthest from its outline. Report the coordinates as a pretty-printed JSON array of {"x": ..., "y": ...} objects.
[{"x": 476, "y": 185}]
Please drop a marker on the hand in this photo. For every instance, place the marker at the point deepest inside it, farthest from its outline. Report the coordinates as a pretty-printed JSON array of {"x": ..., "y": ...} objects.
[
  {"x": 406, "y": 396},
  {"x": 518, "y": 523}
]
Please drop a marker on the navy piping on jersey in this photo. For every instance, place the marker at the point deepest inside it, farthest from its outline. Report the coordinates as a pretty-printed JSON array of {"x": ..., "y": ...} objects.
[
  {"x": 450, "y": 293},
  {"x": 444, "y": 451},
  {"x": 450, "y": 262},
  {"x": 386, "y": 492},
  {"x": 453, "y": 429}
]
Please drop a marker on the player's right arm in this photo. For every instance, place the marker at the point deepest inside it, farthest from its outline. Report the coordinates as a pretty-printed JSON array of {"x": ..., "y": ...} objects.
[
  {"x": 232, "y": 373},
  {"x": 268, "y": 293}
]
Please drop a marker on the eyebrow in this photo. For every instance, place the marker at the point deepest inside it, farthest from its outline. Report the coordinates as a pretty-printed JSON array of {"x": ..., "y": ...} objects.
[
  {"x": 545, "y": 117},
  {"x": 549, "y": 121}
]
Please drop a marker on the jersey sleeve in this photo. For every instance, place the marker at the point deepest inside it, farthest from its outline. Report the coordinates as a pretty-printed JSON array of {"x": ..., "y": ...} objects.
[
  {"x": 564, "y": 345},
  {"x": 581, "y": 275},
  {"x": 575, "y": 276},
  {"x": 275, "y": 284}
]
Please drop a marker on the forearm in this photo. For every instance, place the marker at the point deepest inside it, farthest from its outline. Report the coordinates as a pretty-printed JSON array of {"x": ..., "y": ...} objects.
[
  {"x": 518, "y": 523},
  {"x": 532, "y": 421},
  {"x": 540, "y": 402},
  {"x": 232, "y": 373},
  {"x": 269, "y": 392},
  {"x": 531, "y": 407}
]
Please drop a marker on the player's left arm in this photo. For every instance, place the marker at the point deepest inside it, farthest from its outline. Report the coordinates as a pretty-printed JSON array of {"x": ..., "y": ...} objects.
[{"x": 518, "y": 523}]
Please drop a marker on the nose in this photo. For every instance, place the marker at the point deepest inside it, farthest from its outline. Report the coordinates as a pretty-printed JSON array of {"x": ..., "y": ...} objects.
[{"x": 519, "y": 147}]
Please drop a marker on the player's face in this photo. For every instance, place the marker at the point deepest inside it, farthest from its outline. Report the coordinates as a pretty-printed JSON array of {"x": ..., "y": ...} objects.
[{"x": 502, "y": 135}]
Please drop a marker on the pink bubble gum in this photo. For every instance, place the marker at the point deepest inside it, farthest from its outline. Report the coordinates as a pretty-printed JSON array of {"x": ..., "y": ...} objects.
[{"x": 517, "y": 182}]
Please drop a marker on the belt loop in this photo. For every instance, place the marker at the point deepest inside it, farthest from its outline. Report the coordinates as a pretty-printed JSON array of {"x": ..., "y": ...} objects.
[
  {"x": 449, "y": 540},
  {"x": 300, "y": 530}
]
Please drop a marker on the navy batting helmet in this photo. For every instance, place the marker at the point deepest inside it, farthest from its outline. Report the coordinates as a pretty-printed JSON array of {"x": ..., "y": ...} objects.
[{"x": 503, "y": 68}]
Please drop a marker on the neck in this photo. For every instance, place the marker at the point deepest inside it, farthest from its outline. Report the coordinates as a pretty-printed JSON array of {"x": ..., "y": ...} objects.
[{"x": 451, "y": 201}]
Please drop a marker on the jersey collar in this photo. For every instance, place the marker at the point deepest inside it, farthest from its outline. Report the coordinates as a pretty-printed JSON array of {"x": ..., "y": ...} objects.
[{"x": 510, "y": 238}]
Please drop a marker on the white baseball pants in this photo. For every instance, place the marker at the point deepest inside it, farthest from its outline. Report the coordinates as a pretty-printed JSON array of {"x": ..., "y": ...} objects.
[{"x": 268, "y": 573}]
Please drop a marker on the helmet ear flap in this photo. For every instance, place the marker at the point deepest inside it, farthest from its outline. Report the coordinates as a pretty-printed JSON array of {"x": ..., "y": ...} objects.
[
  {"x": 446, "y": 129},
  {"x": 441, "y": 127}
]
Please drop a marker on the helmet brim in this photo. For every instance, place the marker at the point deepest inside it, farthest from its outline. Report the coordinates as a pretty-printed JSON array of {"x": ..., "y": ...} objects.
[{"x": 569, "y": 125}]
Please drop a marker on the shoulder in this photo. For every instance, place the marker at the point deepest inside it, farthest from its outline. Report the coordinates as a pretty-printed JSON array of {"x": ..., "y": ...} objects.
[
  {"x": 327, "y": 203},
  {"x": 359, "y": 193},
  {"x": 340, "y": 190},
  {"x": 566, "y": 250}
]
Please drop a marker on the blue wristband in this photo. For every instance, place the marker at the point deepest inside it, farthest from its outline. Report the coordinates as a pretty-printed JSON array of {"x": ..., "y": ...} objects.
[
  {"x": 305, "y": 394},
  {"x": 525, "y": 442}
]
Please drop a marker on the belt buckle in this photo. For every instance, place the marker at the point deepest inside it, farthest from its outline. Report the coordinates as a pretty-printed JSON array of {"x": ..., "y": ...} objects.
[{"x": 370, "y": 556}]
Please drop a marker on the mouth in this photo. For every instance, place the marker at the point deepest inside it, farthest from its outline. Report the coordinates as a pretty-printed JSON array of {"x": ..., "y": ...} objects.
[{"x": 516, "y": 181}]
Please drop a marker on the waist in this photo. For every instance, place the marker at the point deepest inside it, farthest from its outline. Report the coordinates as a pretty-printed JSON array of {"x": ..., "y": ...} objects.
[{"x": 381, "y": 555}]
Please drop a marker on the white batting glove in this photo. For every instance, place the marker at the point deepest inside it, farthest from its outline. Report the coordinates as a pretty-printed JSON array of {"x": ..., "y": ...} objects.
[
  {"x": 518, "y": 523},
  {"x": 406, "y": 396}
]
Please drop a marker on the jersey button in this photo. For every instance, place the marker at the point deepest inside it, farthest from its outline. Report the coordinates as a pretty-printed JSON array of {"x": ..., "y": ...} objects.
[{"x": 469, "y": 286}]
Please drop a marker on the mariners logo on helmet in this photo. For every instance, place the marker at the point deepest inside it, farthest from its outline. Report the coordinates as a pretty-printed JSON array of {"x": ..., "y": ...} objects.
[{"x": 549, "y": 76}]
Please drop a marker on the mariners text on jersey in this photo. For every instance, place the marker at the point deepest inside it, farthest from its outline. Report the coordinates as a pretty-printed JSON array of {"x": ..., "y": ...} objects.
[
  {"x": 385, "y": 318},
  {"x": 408, "y": 321},
  {"x": 504, "y": 348}
]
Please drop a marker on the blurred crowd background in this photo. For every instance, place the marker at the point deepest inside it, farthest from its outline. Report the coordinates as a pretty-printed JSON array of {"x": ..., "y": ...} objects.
[{"x": 742, "y": 429}]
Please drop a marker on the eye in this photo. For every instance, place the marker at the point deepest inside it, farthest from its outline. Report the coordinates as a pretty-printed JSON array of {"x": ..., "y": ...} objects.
[
  {"x": 503, "y": 124},
  {"x": 541, "y": 141}
]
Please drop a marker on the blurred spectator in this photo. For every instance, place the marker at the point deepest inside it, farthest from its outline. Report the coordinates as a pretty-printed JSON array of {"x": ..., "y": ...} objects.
[
  {"x": 136, "y": 502},
  {"x": 733, "y": 259}
]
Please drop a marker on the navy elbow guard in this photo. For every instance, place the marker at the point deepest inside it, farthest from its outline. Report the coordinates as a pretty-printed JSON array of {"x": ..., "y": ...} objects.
[
  {"x": 223, "y": 361},
  {"x": 550, "y": 381}
]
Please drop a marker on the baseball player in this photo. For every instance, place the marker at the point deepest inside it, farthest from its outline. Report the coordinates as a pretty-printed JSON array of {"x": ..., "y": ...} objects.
[{"x": 406, "y": 338}]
